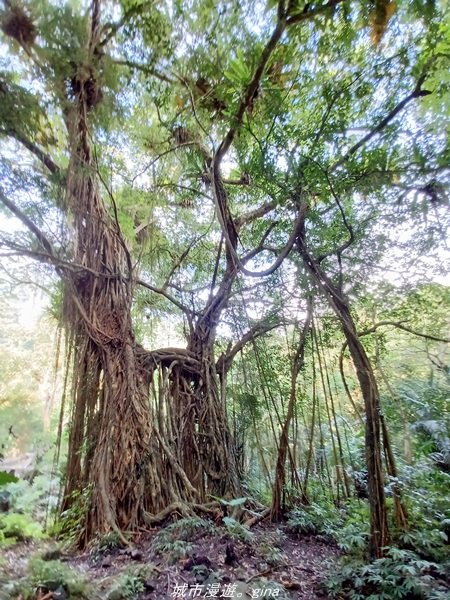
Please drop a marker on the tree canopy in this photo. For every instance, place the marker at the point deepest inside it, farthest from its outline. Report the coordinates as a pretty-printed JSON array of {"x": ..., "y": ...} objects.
[{"x": 229, "y": 170}]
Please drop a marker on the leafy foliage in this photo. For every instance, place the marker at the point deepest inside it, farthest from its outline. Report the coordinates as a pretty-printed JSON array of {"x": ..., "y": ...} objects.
[
  {"x": 18, "y": 528},
  {"x": 314, "y": 519},
  {"x": 400, "y": 574},
  {"x": 343, "y": 126},
  {"x": 130, "y": 584},
  {"x": 237, "y": 530},
  {"x": 57, "y": 573},
  {"x": 6, "y": 477},
  {"x": 175, "y": 539}
]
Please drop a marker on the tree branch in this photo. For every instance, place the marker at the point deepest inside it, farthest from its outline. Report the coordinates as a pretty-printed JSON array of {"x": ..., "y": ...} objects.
[
  {"x": 255, "y": 214},
  {"x": 145, "y": 69},
  {"x": 418, "y": 92},
  {"x": 155, "y": 160},
  {"x": 34, "y": 149},
  {"x": 224, "y": 362},
  {"x": 187, "y": 311},
  {"x": 251, "y": 88},
  {"x": 399, "y": 325},
  {"x": 225, "y": 218},
  {"x": 42, "y": 239},
  {"x": 310, "y": 13},
  {"x": 283, "y": 22},
  {"x": 298, "y": 226},
  {"x": 110, "y": 29}
]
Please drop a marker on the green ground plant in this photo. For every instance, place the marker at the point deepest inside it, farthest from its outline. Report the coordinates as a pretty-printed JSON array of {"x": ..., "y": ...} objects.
[
  {"x": 175, "y": 540},
  {"x": 15, "y": 527},
  {"x": 54, "y": 574},
  {"x": 237, "y": 531},
  {"x": 130, "y": 585},
  {"x": 314, "y": 519},
  {"x": 400, "y": 574}
]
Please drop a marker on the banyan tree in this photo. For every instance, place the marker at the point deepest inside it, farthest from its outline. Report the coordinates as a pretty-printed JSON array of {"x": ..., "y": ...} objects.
[
  {"x": 266, "y": 137},
  {"x": 148, "y": 431}
]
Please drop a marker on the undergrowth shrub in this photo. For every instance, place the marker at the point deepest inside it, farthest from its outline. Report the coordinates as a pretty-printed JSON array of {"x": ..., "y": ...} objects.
[
  {"x": 130, "y": 584},
  {"x": 37, "y": 499},
  {"x": 69, "y": 523},
  {"x": 107, "y": 543},
  {"x": 416, "y": 566},
  {"x": 315, "y": 519},
  {"x": 400, "y": 574},
  {"x": 174, "y": 540},
  {"x": 353, "y": 530},
  {"x": 18, "y": 528},
  {"x": 427, "y": 501},
  {"x": 54, "y": 574},
  {"x": 270, "y": 552},
  {"x": 237, "y": 531}
]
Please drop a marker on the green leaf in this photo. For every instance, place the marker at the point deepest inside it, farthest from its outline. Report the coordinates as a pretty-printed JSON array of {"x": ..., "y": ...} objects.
[
  {"x": 6, "y": 478},
  {"x": 237, "y": 501}
]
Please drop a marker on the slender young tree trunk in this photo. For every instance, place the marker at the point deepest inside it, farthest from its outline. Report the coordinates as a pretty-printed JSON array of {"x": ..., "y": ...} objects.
[
  {"x": 379, "y": 530},
  {"x": 280, "y": 473},
  {"x": 369, "y": 389},
  {"x": 401, "y": 513}
]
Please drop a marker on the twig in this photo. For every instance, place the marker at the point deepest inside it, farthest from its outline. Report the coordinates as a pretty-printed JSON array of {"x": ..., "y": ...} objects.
[{"x": 268, "y": 571}]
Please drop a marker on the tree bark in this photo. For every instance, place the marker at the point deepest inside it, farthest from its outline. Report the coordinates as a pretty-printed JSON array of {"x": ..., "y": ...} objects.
[
  {"x": 379, "y": 531},
  {"x": 283, "y": 446},
  {"x": 110, "y": 436},
  {"x": 130, "y": 457}
]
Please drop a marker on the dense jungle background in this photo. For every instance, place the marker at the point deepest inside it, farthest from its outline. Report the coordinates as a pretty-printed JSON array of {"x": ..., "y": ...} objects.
[{"x": 224, "y": 297}]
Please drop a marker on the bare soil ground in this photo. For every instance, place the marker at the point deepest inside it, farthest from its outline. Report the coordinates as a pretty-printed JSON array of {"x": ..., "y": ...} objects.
[{"x": 269, "y": 563}]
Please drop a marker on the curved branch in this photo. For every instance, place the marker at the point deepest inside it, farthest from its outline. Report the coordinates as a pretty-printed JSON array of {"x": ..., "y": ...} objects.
[
  {"x": 418, "y": 92},
  {"x": 56, "y": 261},
  {"x": 144, "y": 69},
  {"x": 167, "y": 357},
  {"x": 399, "y": 325},
  {"x": 44, "y": 158},
  {"x": 224, "y": 362},
  {"x": 229, "y": 228},
  {"x": 42, "y": 239},
  {"x": 252, "y": 215},
  {"x": 187, "y": 311}
]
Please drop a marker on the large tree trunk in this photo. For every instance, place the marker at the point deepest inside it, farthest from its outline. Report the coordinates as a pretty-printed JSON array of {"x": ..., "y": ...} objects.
[
  {"x": 110, "y": 435},
  {"x": 195, "y": 411},
  {"x": 379, "y": 531},
  {"x": 133, "y": 456}
]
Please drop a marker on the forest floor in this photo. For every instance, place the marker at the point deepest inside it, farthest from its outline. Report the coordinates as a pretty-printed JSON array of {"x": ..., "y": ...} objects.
[{"x": 170, "y": 563}]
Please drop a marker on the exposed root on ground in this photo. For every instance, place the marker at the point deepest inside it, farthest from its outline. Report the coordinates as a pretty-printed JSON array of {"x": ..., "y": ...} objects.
[{"x": 214, "y": 510}]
